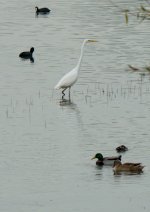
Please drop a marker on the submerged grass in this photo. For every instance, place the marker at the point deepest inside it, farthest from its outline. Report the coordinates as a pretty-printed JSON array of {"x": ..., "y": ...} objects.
[
  {"x": 143, "y": 70},
  {"x": 141, "y": 13}
]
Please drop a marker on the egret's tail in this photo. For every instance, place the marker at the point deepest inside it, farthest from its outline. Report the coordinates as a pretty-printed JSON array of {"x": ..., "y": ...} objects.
[{"x": 57, "y": 87}]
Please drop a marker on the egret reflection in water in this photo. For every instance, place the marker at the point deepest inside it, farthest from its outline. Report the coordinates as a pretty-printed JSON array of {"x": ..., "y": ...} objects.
[
  {"x": 68, "y": 103},
  {"x": 65, "y": 102},
  {"x": 71, "y": 106}
]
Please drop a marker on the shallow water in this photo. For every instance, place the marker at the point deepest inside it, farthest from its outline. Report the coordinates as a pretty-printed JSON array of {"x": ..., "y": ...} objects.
[{"x": 47, "y": 144}]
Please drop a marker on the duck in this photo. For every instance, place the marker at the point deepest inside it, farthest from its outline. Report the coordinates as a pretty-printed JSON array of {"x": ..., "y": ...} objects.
[
  {"x": 27, "y": 55},
  {"x": 121, "y": 148},
  {"x": 43, "y": 10},
  {"x": 105, "y": 160},
  {"x": 127, "y": 167}
]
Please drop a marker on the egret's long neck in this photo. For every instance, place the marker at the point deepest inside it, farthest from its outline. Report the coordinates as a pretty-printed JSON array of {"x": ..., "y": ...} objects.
[{"x": 81, "y": 55}]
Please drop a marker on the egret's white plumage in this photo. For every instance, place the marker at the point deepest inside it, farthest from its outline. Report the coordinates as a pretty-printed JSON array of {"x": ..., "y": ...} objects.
[
  {"x": 71, "y": 77},
  {"x": 68, "y": 79}
]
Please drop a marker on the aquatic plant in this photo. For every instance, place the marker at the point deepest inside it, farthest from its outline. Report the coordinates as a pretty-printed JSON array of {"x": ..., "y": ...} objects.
[{"x": 142, "y": 12}]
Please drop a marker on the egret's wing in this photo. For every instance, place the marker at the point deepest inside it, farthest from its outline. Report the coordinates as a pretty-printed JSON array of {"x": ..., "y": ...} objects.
[{"x": 68, "y": 79}]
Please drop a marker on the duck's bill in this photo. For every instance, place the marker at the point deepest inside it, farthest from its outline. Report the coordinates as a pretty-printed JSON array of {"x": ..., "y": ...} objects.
[{"x": 93, "y": 158}]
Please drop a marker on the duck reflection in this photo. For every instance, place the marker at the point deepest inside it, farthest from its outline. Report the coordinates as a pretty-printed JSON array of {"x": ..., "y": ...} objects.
[{"x": 126, "y": 173}]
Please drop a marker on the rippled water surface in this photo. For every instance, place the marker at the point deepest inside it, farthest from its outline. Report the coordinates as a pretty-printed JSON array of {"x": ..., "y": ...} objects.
[{"x": 46, "y": 145}]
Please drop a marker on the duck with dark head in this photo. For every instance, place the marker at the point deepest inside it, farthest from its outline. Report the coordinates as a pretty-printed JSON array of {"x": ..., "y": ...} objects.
[
  {"x": 121, "y": 148},
  {"x": 105, "y": 160}
]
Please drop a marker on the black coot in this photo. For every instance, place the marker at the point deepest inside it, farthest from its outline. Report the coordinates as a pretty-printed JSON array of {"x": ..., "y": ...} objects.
[
  {"x": 27, "y": 55},
  {"x": 42, "y": 10}
]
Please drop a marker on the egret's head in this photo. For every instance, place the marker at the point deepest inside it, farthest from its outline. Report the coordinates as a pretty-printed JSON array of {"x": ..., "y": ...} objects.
[{"x": 90, "y": 41}]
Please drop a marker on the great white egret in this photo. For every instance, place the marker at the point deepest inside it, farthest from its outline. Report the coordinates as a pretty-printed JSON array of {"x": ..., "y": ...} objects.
[{"x": 68, "y": 80}]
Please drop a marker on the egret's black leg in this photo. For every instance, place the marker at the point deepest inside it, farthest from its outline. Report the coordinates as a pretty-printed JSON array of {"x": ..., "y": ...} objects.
[
  {"x": 63, "y": 94},
  {"x": 69, "y": 92}
]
